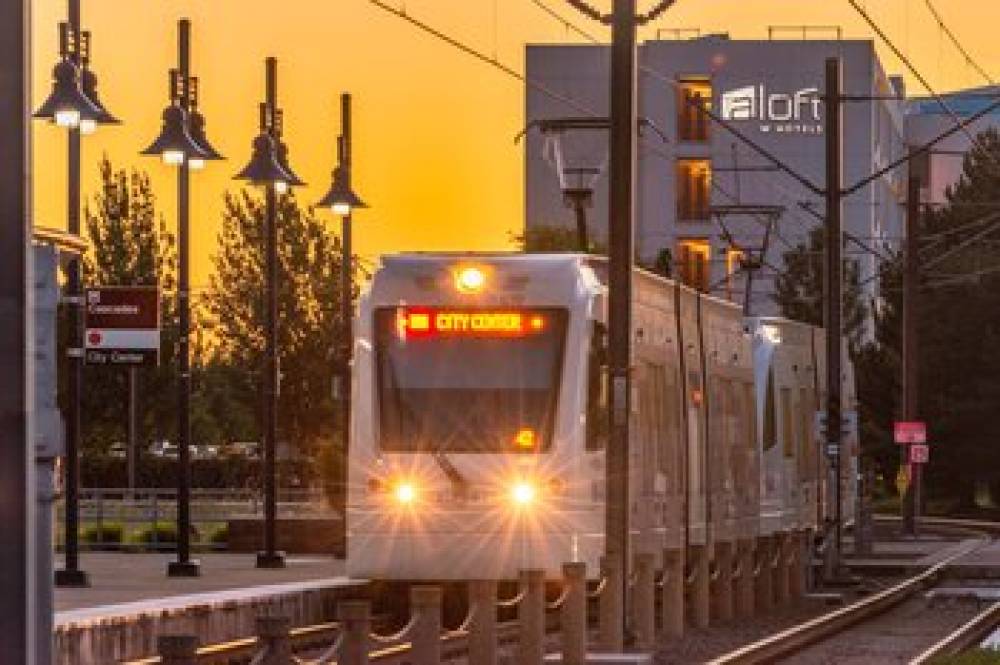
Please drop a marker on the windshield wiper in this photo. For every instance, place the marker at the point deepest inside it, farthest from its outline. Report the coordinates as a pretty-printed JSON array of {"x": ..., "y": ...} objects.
[{"x": 458, "y": 481}]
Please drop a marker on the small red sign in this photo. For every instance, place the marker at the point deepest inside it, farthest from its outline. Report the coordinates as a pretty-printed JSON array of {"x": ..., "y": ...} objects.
[
  {"x": 920, "y": 453},
  {"x": 910, "y": 432}
]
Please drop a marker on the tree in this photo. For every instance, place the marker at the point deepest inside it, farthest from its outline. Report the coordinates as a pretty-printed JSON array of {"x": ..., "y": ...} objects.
[
  {"x": 309, "y": 322},
  {"x": 959, "y": 324},
  {"x": 130, "y": 245},
  {"x": 798, "y": 290}
]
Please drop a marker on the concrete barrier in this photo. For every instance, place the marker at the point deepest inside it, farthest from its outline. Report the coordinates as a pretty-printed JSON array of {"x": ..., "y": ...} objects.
[{"x": 97, "y": 636}]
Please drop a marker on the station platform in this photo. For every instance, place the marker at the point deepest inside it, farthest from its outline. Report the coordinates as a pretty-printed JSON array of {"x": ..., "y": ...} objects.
[{"x": 131, "y": 600}]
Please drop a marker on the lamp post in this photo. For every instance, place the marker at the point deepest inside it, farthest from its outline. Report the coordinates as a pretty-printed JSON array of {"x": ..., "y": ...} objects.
[
  {"x": 268, "y": 168},
  {"x": 182, "y": 143},
  {"x": 342, "y": 200},
  {"x": 73, "y": 104}
]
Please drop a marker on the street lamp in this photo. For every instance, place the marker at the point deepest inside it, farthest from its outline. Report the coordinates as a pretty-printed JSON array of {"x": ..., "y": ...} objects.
[
  {"x": 268, "y": 167},
  {"x": 182, "y": 143},
  {"x": 342, "y": 200},
  {"x": 73, "y": 104}
]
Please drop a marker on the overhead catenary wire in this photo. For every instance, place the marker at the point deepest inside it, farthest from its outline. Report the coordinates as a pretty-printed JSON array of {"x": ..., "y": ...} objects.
[
  {"x": 958, "y": 44},
  {"x": 479, "y": 55},
  {"x": 963, "y": 127}
]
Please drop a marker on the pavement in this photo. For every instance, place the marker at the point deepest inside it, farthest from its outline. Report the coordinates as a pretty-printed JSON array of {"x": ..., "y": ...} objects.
[{"x": 122, "y": 583}]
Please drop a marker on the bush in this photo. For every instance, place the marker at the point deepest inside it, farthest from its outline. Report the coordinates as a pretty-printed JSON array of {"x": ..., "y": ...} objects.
[
  {"x": 108, "y": 533},
  {"x": 973, "y": 657},
  {"x": 220, "y": 536},
  {"x": 159, "y": 534}
]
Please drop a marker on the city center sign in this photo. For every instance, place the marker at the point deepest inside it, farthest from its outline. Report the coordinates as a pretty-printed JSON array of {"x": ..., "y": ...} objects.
[
  {"x": 122, "y": 325},
  {"x": 775, "y": 112}
]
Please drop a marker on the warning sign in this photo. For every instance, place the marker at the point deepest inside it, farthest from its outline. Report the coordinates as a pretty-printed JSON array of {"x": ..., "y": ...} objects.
[
  {"x": 903, "y": 479},
  {"x": 920, "y": 453},
  {"x": 909, "y": 432}
]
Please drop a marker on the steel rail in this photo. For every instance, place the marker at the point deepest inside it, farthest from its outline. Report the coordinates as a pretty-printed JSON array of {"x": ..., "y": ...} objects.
[
  {"x": 965, "y": 637},
  {"x": 814, "y": 631}
]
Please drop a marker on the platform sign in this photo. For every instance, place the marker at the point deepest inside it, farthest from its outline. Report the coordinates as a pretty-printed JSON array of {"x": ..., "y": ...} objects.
[
  {"x": 920, "y": 453},
  {"x": 122, "y": 326},
  {"x": 910, "y": 432}
]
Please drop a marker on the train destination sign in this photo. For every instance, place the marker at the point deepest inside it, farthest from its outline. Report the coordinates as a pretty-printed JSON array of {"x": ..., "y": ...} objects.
[
  {"x": 480, "y": 323},
  {"x": 122, "y": 325}
]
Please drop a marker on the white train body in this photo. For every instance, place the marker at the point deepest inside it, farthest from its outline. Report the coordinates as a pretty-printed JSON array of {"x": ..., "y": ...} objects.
[{"x": 479, "y": 410}]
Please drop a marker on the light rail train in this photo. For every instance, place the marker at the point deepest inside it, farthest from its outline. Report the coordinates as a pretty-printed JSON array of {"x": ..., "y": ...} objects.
[{"x": 479, "y": 420}]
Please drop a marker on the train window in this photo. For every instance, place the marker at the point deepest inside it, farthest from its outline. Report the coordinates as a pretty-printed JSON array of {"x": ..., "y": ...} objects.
[
  {"x": 787, "y": 423},
  {"x": 597, "y": 389},
  {"x": 770, "y": 418},
  {"x": 468, "y": 381}
]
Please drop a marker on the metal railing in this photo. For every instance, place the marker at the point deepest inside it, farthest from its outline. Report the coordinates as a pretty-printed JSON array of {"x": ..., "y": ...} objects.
[{"x": 143, "y": 516}]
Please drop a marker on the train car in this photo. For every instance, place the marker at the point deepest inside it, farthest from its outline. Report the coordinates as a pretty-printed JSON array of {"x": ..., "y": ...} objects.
[
  {"x": 790, "y": 378},
  {"x": 479, "y": 419}
]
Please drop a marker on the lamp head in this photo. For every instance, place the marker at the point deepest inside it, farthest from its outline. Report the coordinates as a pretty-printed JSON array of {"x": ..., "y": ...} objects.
[
  {"x": 88, "y": 83},
  {"x": 263, "y": 167},
  {"x": 340, "y": 197},
  {"x": 175, "y": 144},
  {"x": 66, "y": 105},
  {"x": 197, "y": 131}
]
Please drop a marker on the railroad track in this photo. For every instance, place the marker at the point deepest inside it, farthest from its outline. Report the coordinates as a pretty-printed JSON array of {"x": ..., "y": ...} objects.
[
  {"x": 967, "y": 636},
  {"x": 797, "y": 639}
]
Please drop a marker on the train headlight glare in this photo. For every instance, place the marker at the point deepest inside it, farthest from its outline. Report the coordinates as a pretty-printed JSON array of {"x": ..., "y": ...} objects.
[
  {"x": 405, "y": 493},
  {"x": 771, "y": 333},
  {"x": 522, "y": 493},
  {"x": 470, "y": 280}
]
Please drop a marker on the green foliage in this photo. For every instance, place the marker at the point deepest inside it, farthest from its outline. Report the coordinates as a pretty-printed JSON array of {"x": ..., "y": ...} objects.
[
  {"x": 332, "y": 472},
  {"x": 553, "y": 238},
  {"x": 959, "y": 327},
  {"x": 309, "y": 322},
  {"x": 107, "y": 533},
  {"x": 220, "y": 536},
  {"x": 157, "y": 534},
  {"x": 799, "y": 289},
  {"x": 130, "y": 245},
  {"x": 971, "y": 657}
]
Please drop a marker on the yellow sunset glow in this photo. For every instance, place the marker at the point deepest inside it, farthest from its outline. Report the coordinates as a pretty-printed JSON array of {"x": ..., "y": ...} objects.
[{"x": 433, "y": 128}]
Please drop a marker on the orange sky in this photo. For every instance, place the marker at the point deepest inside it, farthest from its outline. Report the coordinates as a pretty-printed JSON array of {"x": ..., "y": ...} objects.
[{"x": 433, "y": 128}]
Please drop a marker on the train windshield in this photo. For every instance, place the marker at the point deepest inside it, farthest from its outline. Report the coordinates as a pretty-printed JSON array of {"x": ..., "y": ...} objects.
[{"x": 468, "y": 381}]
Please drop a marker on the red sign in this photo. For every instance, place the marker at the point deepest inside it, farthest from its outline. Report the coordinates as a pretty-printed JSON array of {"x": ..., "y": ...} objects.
[
  {"x": 910, "y": 432},
  {"x": 920, "y": 453},
  {"x": 420, "y": 322}
]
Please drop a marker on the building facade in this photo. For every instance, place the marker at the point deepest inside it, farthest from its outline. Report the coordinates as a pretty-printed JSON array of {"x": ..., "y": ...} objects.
[
  {"x": 940, "y": 167},
  {"x": 702, "y": 195}
]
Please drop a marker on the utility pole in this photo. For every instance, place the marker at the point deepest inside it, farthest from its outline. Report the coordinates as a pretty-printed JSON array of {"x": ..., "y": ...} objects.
[
  {"x": 911, "y": 274},
  {"x": 834, "y": 210},
  {"x": 17, "y": 451},
  {"x": 620, "y": 222}
]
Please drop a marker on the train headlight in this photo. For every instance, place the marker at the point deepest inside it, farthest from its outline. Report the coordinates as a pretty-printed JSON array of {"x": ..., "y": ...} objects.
[
  {"x": 404, "y": 493},
  {"x": 522, "y": 493},
  {"x": 470, "y": 279}
]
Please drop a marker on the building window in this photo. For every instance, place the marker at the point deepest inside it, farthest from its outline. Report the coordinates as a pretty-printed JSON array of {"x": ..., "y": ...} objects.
[
  {"x": 692, "y": 124},
  {"x": 693, "y": 264},
  {"x": 694, "y": 179},
  {"x": 734, "y": 262}
]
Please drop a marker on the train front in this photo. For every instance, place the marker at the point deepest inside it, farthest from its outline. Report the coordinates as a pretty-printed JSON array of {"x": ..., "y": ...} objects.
[{"x": 466, "y": 454}]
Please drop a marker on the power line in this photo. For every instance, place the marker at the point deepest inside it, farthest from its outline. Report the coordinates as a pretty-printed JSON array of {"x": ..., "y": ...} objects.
[
  {"x": 913, "y": 70},
  {"x": 958, "y": 45},
  {"x": 479, "y": 55}
]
